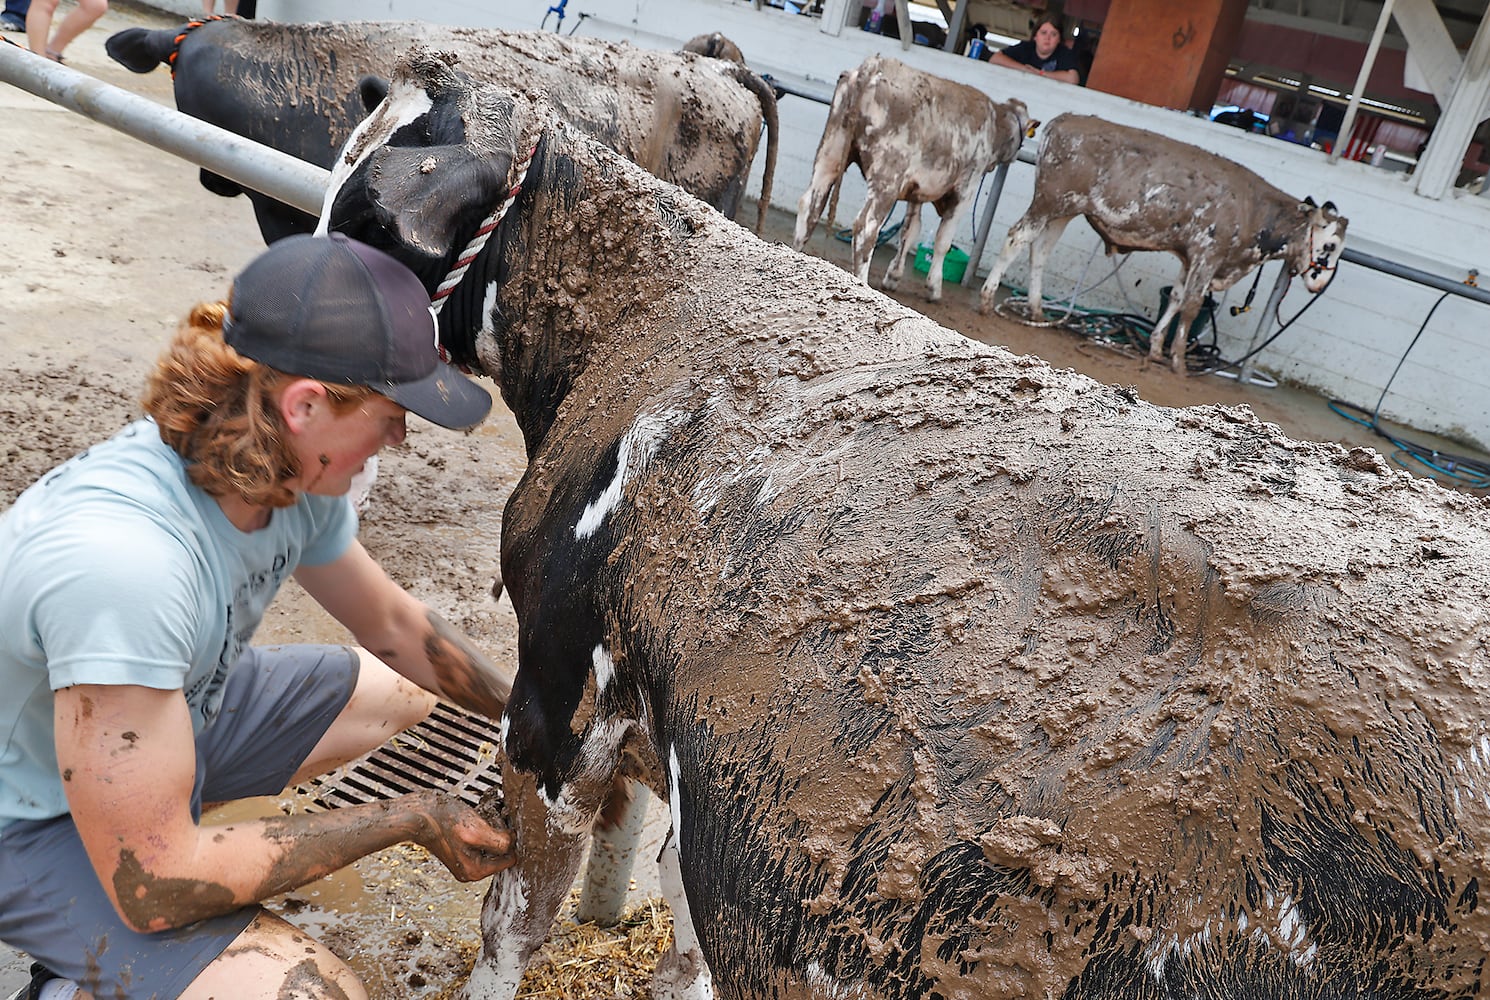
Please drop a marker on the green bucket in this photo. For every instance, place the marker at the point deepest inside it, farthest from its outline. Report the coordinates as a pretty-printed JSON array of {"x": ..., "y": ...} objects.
[{"x": 954, "y": 265}]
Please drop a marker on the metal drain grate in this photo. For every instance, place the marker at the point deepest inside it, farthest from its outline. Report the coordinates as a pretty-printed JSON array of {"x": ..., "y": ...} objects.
[{"x": 451, "y": 750}]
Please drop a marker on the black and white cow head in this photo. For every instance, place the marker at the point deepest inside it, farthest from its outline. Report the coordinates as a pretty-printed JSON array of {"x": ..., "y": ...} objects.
[
  {"x": 429, "y": 162},
  {"x": 1322, "y": 241}
]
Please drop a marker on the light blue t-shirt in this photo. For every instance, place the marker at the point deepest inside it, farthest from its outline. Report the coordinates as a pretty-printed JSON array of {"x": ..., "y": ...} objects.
[{"x": 115, "y": 569}]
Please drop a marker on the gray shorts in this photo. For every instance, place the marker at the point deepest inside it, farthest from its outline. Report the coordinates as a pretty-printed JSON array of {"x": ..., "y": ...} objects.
[{"x": 278, "y": 703}]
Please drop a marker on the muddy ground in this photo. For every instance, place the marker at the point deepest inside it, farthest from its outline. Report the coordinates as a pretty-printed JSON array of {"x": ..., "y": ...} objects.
[{"x": 107, "y": 241}]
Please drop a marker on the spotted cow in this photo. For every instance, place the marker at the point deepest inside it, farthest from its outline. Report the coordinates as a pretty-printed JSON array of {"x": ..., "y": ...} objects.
[
  {"x": 962, "y": 676},
  {"x": 1143, "y": 191},
  {"x": 916, "y": 138},
  {"x": 301, "y": 88}
]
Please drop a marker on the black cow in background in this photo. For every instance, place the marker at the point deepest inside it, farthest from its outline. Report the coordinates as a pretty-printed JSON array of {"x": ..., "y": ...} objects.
[
  {"x": 962, "y": 676},
  {"x": 302, "y": 88}
]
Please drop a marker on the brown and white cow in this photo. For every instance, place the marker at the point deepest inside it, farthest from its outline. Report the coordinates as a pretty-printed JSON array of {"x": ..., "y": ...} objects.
[
  {"x": 916, "y": 138},
  {"x": 1142, "y": 191},
  {"x": 962, "y": 676},
  {"x": 302, "y": 88}
]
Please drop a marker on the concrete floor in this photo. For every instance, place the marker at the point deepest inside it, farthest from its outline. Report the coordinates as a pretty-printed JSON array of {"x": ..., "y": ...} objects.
[{"x": 14, "y": 970}]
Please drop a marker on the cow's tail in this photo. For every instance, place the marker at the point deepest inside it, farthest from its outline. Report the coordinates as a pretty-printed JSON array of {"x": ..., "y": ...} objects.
[
  {"x": 142, "y": 49},
  {"x": 767, "y": 96}
]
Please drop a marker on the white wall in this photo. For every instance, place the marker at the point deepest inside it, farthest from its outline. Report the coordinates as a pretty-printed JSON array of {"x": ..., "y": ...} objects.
[{"x": 1346, "y": 346}]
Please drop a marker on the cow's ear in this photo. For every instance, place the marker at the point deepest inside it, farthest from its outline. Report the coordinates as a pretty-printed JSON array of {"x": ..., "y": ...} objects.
[
  {"x": 373, "y": 89},
  {"x": 428, "y": 192}
]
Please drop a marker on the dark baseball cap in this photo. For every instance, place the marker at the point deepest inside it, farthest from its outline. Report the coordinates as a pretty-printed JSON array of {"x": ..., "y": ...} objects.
[{"x": 334, "y": 309}]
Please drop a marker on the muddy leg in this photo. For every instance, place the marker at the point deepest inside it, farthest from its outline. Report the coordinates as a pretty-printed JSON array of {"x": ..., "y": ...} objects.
[
  {"x": 810, "y": 209},
  {"x": 522, "y": 901},
  {"x": 909, "y": 233},
  {"x": 1039, "y": 253},
  {"x": 1186, "y": 304},
  {"x": 945, "y": 230},
  {"x": 867, "y": 231},
  {"x": 1020, "y": 235},
  {"x": 682, "y": 973}
]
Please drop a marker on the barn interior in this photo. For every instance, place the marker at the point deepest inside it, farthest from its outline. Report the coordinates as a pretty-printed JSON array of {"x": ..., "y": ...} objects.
[{"x": 1370, "y": 80}]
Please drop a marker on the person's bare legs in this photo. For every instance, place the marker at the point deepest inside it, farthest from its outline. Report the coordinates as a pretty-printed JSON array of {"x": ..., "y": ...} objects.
[
  {"x": 77, "y": 21},
  {"x": 39, "y": 24},
  {"x": 229, "y": 7},
  {"x": 273, "y": 959}
]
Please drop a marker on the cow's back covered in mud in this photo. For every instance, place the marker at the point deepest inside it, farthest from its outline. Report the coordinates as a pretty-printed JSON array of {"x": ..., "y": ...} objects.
[
  {"x": 964, "y": 677},
  {"x": 301, "y": 88}
]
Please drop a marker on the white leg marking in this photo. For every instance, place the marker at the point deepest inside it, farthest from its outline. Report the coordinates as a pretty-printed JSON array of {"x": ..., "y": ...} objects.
[
  {"x": 682, "y": 974},
  {"x": 598, "y": 755},
  {"x": 498, "y": 979}
]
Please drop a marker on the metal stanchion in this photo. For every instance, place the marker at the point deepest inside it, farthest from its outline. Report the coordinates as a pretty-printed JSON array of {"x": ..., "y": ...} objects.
[
  {"x": 1280, "y": 285},
  {"x": 251, "y": 164},
  {"x": 983, "y": 225}
]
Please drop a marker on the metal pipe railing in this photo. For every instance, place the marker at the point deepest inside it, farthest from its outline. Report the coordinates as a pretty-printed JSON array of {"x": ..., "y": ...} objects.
[{"x": 276, "y": 174}]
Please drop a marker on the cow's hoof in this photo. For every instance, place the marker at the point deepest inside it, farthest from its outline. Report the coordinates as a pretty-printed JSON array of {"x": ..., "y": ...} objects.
[
  {"x": 934, "y": 295},
  {"x": 890, "y": 283}
]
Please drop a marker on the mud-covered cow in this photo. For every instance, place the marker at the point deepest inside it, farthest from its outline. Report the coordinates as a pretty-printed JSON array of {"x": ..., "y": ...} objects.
[
  {"x": 916, "y": 138},
  {"x": 715, "y": 46},
  {"x": 301, "y": 88},
  {"x": 1143, "y": 191},
  {"x": 962, "y": 676}
]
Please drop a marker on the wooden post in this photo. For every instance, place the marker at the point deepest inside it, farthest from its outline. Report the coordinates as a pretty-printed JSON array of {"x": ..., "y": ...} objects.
[{"x": 1170, "y": 53}]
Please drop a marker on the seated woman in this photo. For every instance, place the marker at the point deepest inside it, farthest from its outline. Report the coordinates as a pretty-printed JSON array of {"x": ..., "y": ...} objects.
[{"x": 1044, "y": 53}]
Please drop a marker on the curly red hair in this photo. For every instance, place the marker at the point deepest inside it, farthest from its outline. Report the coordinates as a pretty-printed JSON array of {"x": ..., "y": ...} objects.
[{"x": 219, "y": 411}]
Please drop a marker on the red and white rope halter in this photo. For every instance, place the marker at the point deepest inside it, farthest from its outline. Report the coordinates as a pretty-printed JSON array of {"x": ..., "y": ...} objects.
[{"x": 484, "y": 231}]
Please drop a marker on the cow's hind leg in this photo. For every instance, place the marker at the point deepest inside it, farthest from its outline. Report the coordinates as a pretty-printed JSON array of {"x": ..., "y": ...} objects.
[
  {"x": 867, "y": 231},
  {"x": 523, "y": 900},
  {"x": 828, "y": 167},
  {"x": 910, "y": 231},
  {"x": 1020, "y": 235},
  {"x": 810, "y": 209},
  {"x": 1040, "y": 249}
]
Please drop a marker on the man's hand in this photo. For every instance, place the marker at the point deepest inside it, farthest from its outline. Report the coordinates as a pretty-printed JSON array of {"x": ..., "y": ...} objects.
[{"x": 464, "y": 841}]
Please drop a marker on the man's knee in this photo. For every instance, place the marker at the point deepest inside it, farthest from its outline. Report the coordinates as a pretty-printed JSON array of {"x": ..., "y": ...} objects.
[
  {"x": 273, "y": 959},
  {"x": 384, "y": 692}
]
